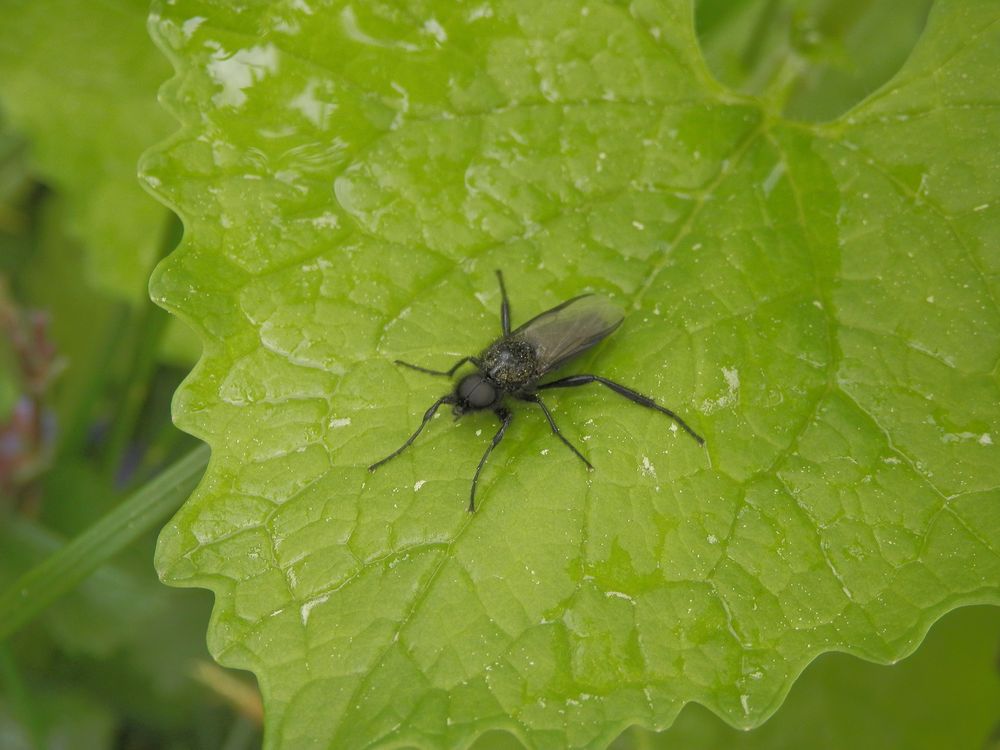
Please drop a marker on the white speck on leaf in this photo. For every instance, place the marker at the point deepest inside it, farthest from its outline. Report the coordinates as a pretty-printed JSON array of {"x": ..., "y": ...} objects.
[
  {"x": 483, "y": 11},
  {"x": 340, "y": 422},
  {"x": 418, "y": 484},
  {"x": 619, "y": 595},
  {"x": 732, "y": 378},
  {"x": 326, "y": 221},
  {"x": 436, "y": 30},
  {"x": 239, "y": 71},
  {"x": 955, "y": 437},
  {"x": 306, "y": 608},
  {"x": 349, "y": 23},
  {"x": 191, "y": 25},
  {"x": 312, "y": 107},
  {"x": 772, "y": 178},
  {"x": 549, "y": 89},
  {"x": 924, "y": 349}
]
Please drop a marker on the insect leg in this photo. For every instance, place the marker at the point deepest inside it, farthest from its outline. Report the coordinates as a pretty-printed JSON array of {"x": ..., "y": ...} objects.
[
  {"x": 447, "y": 373},
  {"x": 504, "y": 416},
  {"x": 446, "y": 399},
  {"x": 575, "y": 380},
  {"x": 504, "y": 306},
  {"x": 555, "y": 430}
]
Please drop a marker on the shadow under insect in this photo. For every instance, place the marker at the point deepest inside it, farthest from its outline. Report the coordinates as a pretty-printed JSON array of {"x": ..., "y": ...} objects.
[{"x": 512, "y": 365}]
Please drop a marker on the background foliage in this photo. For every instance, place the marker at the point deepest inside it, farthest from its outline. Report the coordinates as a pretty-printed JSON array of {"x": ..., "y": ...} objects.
[{"x": 70, "y": 195}]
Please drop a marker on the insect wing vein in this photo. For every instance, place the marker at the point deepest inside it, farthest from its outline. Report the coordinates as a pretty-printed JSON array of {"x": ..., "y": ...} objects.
[{"x": 567, "y": 330}]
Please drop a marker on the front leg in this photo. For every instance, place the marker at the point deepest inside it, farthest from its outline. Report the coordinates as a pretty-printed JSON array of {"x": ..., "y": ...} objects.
[
  {"x": 446, "y": 399},
  {"x": 504, "y": 416},
  {"x": 446, "y": 373}
]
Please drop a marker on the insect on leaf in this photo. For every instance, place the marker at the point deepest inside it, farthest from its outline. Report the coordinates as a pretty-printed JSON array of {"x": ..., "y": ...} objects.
[{"x": 821, "y": 300}]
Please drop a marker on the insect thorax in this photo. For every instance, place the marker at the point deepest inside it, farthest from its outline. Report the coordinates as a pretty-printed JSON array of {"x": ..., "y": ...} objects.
[{"x": 510, "y": 363}]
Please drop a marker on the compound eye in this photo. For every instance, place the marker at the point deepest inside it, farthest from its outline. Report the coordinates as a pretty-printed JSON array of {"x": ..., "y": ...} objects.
[{"x": 475, "y": 391}]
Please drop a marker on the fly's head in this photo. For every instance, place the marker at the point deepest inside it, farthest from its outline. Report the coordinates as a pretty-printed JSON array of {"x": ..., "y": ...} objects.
[{"x": 473, "y": 393}]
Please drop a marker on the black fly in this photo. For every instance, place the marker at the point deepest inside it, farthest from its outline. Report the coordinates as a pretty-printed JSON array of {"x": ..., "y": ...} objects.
[{"x": 514, "y": 363}]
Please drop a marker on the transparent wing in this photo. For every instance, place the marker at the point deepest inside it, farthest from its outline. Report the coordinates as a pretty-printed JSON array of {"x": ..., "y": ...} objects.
[{"x": 568, "y": 329}]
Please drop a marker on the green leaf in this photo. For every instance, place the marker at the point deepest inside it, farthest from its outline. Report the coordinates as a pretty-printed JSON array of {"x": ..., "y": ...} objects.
[
  {"x": 945, "y": 695},
  {"x": 819, "y": 302},
  {"x": 80, "y": 80}
]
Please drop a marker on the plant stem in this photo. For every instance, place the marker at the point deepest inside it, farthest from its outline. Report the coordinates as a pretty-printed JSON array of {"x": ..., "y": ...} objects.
[
  {"x": 767, "y": 19},
  {"x": 243, "y": 696},
  {"x": 145, "y": 344},
  {"x": 33, "y": 592},
  {"x": 147, "y": 336},
  {"x": 73, "y": 439}
]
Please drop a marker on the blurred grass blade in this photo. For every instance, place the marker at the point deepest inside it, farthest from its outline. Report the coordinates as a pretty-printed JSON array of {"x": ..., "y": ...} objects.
[
  {"x": 20, "y": 704},
  {"x": 143, "y": 510}
]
